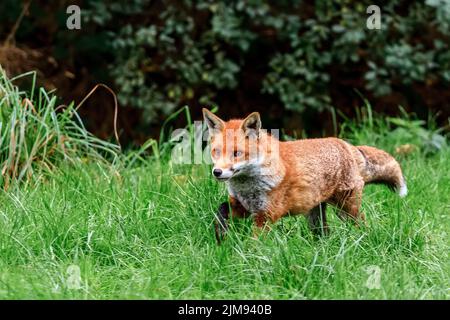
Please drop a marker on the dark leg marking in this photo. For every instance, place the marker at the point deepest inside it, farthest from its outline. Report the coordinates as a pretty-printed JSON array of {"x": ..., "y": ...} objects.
[
  {"x": 221, "y": 225},
  {"x": 317, "y": 220}
]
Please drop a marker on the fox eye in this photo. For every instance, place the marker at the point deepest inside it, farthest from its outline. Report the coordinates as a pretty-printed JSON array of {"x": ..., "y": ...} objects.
[
  {"x": 237, "y": 153},
  {"x": 216, "y": 152}
]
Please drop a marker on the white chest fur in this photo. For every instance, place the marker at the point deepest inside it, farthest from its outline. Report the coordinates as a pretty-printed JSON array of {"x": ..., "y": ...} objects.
[{"x": 252, "y": 192}]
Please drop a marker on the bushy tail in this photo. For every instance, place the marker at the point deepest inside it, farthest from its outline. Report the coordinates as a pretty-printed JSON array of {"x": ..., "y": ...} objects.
[{"x": 381, "y": 167}]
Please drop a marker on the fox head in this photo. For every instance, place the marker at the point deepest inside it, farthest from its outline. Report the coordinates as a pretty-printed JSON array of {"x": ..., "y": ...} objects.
[{"x": 236, "y": 145}]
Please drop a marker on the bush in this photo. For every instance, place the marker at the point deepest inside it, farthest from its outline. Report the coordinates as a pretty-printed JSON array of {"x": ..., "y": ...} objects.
[{"x": 301, "y": 55}]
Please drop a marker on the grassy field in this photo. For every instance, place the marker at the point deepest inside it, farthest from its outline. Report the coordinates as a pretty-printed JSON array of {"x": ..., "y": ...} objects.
[{"x": 89, "y": 229}]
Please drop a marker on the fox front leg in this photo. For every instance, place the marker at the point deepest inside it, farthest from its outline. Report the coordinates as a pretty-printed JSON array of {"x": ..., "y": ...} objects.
[
  {"x": 221, "y": 223},
  {"x": 230, "y": 208},
  {"x": 262, "y": 222}
]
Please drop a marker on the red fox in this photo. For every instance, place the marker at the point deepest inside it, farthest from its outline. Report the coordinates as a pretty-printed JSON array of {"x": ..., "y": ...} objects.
[{"x": 268, "y": 179}]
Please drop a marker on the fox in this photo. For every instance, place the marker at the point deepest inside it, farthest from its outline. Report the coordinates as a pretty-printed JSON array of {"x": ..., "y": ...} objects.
[{"x": 268, "y": 179}]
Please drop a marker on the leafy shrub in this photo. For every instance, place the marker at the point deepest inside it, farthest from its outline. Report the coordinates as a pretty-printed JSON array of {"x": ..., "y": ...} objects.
[
  {"x": 197, "y": 57},
  {"x": 399, "y": 135},
  {"x": 162, "y": 55}
]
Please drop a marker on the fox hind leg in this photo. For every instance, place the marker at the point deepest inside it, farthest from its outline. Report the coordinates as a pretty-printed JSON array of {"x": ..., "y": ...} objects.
[
  {"x": 349, "y": 204},
  {"x": 317, "y": 219}
]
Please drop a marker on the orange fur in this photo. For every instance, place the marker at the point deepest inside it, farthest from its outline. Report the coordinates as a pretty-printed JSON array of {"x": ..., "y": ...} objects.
[{"x": 300, "y": 176}]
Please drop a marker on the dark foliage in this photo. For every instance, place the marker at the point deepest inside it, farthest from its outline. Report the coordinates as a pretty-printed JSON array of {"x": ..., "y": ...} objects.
[{"x": 293, "y": 60}]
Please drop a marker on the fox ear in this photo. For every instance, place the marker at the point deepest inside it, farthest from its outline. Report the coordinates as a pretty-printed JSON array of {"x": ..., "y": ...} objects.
[
  {"x": 252, "y": 124},
  {"x": 212, "y": 121}
]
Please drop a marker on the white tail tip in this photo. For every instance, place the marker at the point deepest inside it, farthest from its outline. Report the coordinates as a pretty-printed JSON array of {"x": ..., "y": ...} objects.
[{"x": 403, "y": 192}]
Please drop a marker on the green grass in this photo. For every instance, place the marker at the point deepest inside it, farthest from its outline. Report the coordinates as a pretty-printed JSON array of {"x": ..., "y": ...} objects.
[
  {"x": 143, "y": 227},
  {"x": 36, "y": 134},
  {"x": 146, "y": 232}
]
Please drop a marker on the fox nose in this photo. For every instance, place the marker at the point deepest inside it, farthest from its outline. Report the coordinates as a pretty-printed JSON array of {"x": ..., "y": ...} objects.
[{"x": 217, "y": 172}]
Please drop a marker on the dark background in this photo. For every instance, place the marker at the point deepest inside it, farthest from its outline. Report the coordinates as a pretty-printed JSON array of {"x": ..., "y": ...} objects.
[{"x": 297, "y": 62}]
